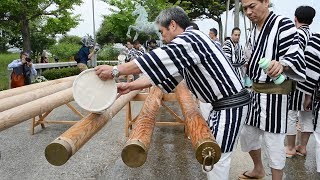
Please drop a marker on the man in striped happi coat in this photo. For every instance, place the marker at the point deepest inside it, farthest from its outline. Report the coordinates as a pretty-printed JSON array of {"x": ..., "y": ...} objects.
[
  {"x": 234, "y": 53},
  {"x": 275, "y": 38},
  {"x": 192, "y": 56},
  {"x": 312, "y": 55},
  {"x": 303, "y": 18}
]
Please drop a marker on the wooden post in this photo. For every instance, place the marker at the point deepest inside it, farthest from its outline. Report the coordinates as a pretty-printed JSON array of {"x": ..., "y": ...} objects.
[
  {"x": 134, "y": 154},
  {"x": 61, "y": 149},
  {"x": 23, "y": 89},
  {"x": 31, "y": 95},
  {"x": 34, "y": 108},
  {"x": 206, "y": 148}
]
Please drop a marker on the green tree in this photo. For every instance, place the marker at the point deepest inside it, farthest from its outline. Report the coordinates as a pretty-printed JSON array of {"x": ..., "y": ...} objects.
[
  {"x": 71, "y": 39},
  {"x": 55, "y": 17},
  {"x": 115, "y": 26},
  {"x": 212, "y": 9}
]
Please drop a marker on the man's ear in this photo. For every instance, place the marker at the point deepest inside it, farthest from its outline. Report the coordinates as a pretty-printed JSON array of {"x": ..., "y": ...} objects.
[{"x": 173, "y": 24}]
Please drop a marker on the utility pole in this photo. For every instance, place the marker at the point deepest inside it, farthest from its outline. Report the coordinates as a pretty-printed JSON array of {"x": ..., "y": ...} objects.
[
  {"x": 236, "y": 13},
  {"x": 94, "y": 60},
  {"x": 226, "y": 24}
]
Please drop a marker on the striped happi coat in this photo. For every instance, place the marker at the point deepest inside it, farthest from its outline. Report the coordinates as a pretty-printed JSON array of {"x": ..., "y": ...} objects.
[
  {"x": 208, "y": 74},
  {"x": 297, "y": 97},
  {"x": 278, "y": 40},
  {"x": 234, "y": 54},
  {"x": 312, "y": 55}
]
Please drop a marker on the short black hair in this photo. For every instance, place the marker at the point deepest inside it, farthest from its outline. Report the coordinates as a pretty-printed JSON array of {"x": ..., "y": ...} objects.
[
  {"x": 235, "y": 29},
  {"x": 194, "y": 25},
  {"x": 305, "y": 14},
  {"x": 136, "y": 42},
  {"x": 153, "y": 41},
  {"x": 214, "y": 30}
]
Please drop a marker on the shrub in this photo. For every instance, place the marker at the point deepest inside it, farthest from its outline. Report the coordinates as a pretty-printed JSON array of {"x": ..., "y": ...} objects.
[
  {"x": 65, "y": 51},
  {"x": 52, "y": 74},
  {"x": 108, "y": 52}
]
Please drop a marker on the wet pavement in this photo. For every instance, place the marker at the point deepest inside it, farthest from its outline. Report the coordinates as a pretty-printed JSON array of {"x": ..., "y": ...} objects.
[{"x": 170, "y": 155}]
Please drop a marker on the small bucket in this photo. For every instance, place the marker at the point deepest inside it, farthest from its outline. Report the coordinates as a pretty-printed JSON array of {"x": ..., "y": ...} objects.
[{"x": 93, "y": 94}]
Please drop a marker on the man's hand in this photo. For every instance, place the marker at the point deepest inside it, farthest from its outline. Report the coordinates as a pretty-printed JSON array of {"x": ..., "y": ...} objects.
[
  {"x": 123, "y": 88},
  {"x": 275, "y": 68},
  {"x": 307, "y": 104},
  {"x": 104, "y": 72}
]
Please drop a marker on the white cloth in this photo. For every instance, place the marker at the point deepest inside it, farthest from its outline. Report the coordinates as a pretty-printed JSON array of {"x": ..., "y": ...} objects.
[
  {"x": 251, "y": 139},
  {"x": 221, "y": 168},
  {"x": 305, "y": 119},
  {"x": 205, "y": 109}
]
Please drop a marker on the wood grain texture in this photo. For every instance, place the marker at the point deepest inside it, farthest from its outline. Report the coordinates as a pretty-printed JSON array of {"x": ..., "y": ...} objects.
[
  {"x": 82, "y": 131},
  {"x": 134, "y": 154},
  {"x": 23, "y": 89},
  {"x": 195, "y": 123},
  {"x": 34, "y": 108},
  {"x": 143, "y": 127},
  {"x": 31, "y": 95}
]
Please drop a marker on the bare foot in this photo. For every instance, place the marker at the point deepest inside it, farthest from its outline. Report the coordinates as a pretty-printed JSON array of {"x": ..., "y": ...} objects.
[
  {"x": 290, "y": 152},
  {"x": 252, "y": 174},
  {"x": 302, "y": 151}
]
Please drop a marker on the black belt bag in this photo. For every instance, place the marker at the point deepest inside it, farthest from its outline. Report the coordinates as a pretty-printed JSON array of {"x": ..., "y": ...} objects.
[{"x": 237, "y": 100}]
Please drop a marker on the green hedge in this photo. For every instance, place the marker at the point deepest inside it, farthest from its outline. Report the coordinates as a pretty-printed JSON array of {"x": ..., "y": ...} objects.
[{"x": 52, "y": 74}]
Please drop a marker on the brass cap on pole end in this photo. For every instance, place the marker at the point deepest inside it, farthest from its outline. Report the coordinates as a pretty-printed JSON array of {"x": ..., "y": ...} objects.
[
  {"x": 208, "y": 147},
  {"x": 58, "y": 152},
  {"x": 134, "y": 154}
]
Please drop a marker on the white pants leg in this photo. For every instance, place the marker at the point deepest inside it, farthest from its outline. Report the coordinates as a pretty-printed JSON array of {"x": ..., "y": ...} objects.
[
  {"x": 221, "y": 168},
  {"x": 292, "y": 121},
  {"x": 251, "y": 139},
  {"x": 306, "y": 122}
]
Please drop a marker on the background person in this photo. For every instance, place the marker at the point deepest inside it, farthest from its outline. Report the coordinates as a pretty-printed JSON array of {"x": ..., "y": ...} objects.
[
  {"x": 303, "y": 18},
  {"x": 84, "y": 53},
  {"x": 22, "y": 69}
]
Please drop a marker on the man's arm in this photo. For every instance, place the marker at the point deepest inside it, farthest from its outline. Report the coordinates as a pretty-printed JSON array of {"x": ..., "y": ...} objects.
[
  {"x": 104, "y": 71},
  {"x": 141, "y": 83},
  {"x": 14, "y": 64}
]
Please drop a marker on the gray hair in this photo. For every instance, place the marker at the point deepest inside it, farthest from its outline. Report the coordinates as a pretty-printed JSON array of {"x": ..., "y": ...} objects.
[{"x": 174, "y": 13}]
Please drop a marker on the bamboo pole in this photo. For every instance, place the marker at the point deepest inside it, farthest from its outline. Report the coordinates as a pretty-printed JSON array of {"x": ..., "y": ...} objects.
[
  {"x": 23, "y": 89},
  {"x": 206, "y": 149},
  {"x": 134, "y": 154},
  {"x": 28, "y": 96},
  {"x": 61, "y": 149},
  {"x": 34, "y": 108}
]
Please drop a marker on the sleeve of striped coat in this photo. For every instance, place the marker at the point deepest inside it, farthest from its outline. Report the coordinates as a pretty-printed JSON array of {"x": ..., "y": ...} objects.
[
  {"x": 290, "y": 51},
  {"x": 162, "y": 65},
  {"x": 227, "y": 49},
  {"x": 303, "y": 39},
  {"x": 312, "y": 55}
]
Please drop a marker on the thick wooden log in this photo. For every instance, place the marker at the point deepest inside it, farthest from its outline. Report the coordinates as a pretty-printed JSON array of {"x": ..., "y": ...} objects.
[
  {"x": 23, "y": 89},
  {"x": 61, "y": 149},
  {"x": 203, "y": 142},
  {"x": 134, "y": 154},
  {"x": 34, "y": 108},
  {"x": 28, "y": 96}
]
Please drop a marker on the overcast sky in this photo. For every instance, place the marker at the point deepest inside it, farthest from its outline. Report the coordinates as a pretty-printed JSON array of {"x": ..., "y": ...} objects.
[{"x": 283, "y": 7}]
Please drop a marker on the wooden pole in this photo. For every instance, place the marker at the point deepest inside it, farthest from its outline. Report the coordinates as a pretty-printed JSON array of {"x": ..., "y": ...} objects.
[
  {"x": 23, "y": 89},
  {"x": 134, "y": 154},
  {"x": 28, "y": 96},
  {"x": 61, "y": 149},
  {"x": 206, "y": 148},
  {"x": 34, "y": 108}
]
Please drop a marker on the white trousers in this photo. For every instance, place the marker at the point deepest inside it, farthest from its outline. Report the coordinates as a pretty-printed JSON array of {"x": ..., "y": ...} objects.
[
  {"x": 221, "y": 168},
  {"x": 317, "y": 138},
  {"x": 251, "y": 139},
  {"x": 305, "y": 119},
  {"x": 205, "y": 109}
]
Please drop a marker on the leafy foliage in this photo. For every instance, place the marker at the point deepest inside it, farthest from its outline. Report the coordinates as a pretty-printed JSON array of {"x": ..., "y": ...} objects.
[
  {"x": 108, "y": 52},
  {"x": 19, "y": 18},
  {"x": 115, "y": 26},
  {"x": 65, "y": 51},
  {"x": 52, "y": 74},
  {"x": 70, "y": 39}
]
